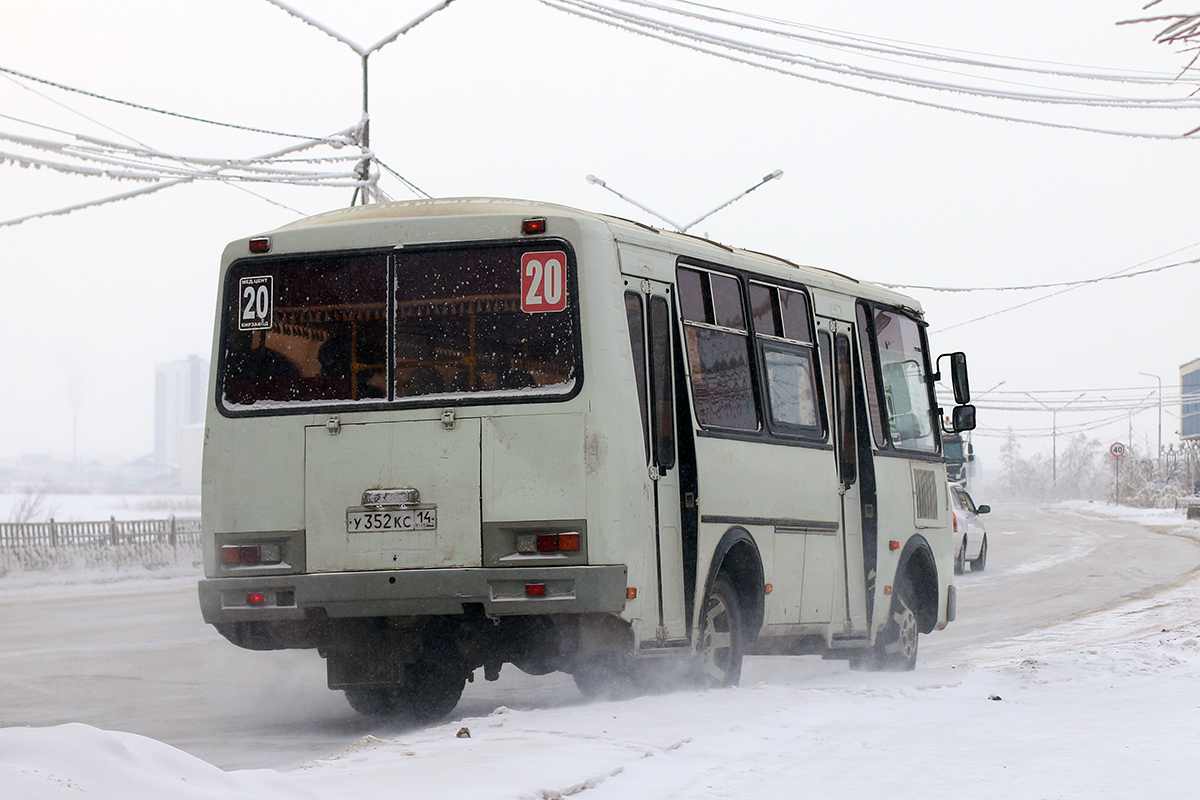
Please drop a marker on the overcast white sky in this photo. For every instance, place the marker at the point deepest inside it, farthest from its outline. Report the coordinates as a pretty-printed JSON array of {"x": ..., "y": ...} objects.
[{"x": 512, "y": 98}]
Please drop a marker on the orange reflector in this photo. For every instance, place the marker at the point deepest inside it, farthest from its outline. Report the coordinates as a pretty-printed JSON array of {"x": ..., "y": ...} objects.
[
  {"x": 534, "y": 225},
  {"x": 893, "y": 545},
  {"x": 260, "y": 245},
  {"x": 229, "y": 554},
  {"x": 568, "y": 542},
  {"x": 887, "y": 590},
  {"x": 768, "y": 588},
  {"x": 255, "y": 598},
  {"x": 535, "y": 590},
  {"x": 631, "y": 593}
]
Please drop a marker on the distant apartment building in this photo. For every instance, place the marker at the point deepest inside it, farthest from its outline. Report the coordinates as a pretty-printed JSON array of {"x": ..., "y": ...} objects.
[
  {"x": 1189, "y": 382},
  {"x": 179, "y": 389}
]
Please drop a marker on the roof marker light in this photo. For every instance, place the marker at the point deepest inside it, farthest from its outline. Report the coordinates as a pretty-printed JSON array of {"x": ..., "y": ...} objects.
[
  {"x": 533, "y": 225},
  {"x": 261, "y": 244}
]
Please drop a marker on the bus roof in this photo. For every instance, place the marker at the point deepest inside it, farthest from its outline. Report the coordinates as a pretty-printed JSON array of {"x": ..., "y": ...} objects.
[{"x": 623, "y": 230}]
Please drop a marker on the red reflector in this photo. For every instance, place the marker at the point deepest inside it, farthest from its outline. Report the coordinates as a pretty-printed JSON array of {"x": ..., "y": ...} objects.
[
  {"x": 535, "y": 590},
  {"x": 548, "y": 543},
  {"x": 532, "y": 226},
  {"x": 893, "y": 545},
  {"x": 568, "y": 542},
  {"x": 260, "y": 245},
  {"x": 255, "y": 598}
]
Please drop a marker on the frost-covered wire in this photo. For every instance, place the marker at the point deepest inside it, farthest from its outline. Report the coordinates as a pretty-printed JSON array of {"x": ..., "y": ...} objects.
[
  {"x": 141, "y": 107},
  {"x": 1072, "y": 284},
  {"x": 807, "y": 68}
]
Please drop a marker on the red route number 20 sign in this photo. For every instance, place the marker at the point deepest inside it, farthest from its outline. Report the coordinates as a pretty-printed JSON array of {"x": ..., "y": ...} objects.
[{"x": 543, "y": 281}]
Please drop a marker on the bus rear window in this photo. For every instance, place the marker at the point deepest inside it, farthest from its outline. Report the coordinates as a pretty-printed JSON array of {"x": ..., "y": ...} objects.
[{"x": 464, "y": 322}]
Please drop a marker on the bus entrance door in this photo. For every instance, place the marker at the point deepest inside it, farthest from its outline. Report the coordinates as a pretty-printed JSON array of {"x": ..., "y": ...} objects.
[
  {"x": 650, "y": 331},
  {"x": 837, "y": 356}
]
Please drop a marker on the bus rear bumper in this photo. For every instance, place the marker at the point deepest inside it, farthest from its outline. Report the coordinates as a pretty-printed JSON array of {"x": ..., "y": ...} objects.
[{"x": 426, "y": 592}]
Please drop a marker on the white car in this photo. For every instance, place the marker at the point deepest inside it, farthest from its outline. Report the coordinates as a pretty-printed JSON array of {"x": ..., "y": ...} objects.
[{"x": 970, "y": 536}]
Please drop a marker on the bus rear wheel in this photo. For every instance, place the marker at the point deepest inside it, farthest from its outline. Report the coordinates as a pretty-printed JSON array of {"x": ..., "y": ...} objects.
[
  {"x": 719, "y": 650},
  {"x": 430, "y": 692}
]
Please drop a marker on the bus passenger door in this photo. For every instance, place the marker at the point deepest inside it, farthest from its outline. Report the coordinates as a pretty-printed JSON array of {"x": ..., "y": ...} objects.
[
  {"x": 650, "y": 331},
  {"x": 836, "y": 341}
]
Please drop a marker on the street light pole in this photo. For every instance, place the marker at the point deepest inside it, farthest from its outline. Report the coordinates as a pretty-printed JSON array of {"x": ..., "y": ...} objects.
[
  {"x": 682, "y": 228},
  {"x": 364, "y": 166},
  {"x": 1149, "y": 375},
  {"x": 1054, "y": 430}
]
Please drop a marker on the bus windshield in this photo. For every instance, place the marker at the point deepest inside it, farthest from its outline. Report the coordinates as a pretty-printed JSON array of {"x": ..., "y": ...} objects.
[{"x": 466, "y": 324}]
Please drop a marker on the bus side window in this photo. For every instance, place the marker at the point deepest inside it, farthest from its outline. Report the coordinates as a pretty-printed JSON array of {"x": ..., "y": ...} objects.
[
  {"x": 866, "y": 341},
  {"x": 637, "y": 344},
  {"x": 717, "y": 343},
  {"x": 660, "y": 385},
  {"x": 844, "y": 368},
  {"x": 784, "y": 338}
]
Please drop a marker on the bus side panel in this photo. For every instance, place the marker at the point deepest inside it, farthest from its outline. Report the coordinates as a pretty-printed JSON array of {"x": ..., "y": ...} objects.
[
  {"x": 742, "y": 480},
  {"x": 533, "y": 468},
  {"x": 253, "y": 478}
]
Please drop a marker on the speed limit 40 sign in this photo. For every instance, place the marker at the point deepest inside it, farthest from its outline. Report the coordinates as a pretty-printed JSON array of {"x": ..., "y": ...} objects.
[{"x": 1117, "y": 449}]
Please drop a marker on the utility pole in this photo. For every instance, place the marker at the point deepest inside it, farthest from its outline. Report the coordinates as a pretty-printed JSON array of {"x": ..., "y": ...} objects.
[
  {"x": 364, "y": 166},
  {"x": 682, "y": 228}
]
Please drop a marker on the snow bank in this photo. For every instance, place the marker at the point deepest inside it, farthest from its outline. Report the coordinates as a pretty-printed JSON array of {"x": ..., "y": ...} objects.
[{"x": 74, "y": 760}]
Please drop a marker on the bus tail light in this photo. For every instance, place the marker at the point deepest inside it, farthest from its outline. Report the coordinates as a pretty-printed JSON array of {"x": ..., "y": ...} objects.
[
  {"x": 534, "y": 543},
  {"x": 251, "y": 554},
  {"x": 256, "y": 598},
  {"x": 535, "y": 590}
]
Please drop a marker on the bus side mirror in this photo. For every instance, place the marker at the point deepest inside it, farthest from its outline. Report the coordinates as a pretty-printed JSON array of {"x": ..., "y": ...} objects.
[
  {"x": 958, "y": 376},
  {"x": 964, "y": 418}
]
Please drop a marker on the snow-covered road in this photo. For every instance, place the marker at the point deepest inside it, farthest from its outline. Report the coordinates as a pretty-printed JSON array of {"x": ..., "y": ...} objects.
[{"x": 1088, "y": 703}]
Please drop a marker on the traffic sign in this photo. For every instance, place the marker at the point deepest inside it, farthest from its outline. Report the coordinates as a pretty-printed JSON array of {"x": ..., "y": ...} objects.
[{"x": 1117, "y": 449}]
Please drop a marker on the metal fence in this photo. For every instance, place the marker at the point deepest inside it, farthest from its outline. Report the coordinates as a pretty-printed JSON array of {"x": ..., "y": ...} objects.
[{"x": 171, "y": 531}]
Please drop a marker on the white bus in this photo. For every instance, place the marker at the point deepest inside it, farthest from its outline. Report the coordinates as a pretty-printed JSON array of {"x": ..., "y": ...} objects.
[{"x": 452, "y": 434}]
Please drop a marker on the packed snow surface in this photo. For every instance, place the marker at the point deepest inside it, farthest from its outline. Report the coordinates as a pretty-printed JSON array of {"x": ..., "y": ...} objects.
[{"x": 1102, "y": 705}]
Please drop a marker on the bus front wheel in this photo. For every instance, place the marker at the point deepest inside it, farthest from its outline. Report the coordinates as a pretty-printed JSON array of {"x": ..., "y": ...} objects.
[
  {"x": 721, "y": 636},
  {"x": 895, "y": 647}
]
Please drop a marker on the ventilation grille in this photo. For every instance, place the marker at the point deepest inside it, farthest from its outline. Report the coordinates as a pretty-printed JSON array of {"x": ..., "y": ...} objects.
[{"x": 925, "y": 488}]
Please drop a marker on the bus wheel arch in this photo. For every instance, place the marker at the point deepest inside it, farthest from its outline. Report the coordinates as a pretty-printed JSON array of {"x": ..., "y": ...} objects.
[
  {"x": 737, "y": 557},
  {"x": 918, "y": 571}
]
